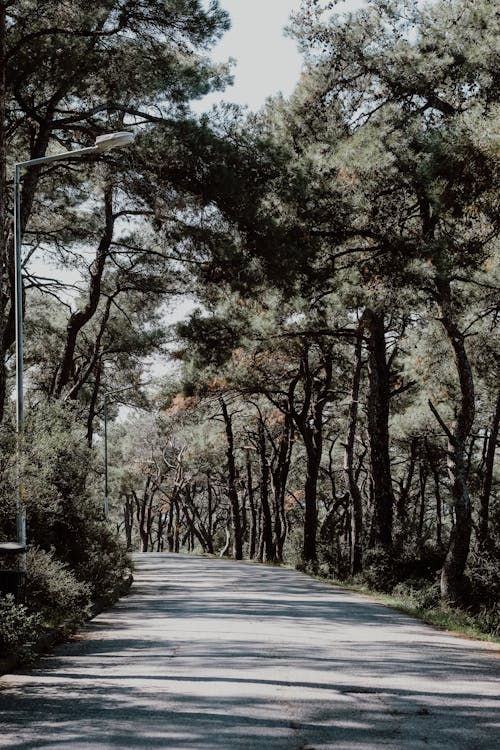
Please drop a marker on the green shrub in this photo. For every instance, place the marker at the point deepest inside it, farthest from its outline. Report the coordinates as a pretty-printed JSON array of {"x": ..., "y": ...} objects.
[
  {"x": 19, "y": 629},
  {"x": 62, "y": 513},
  {"x": 379, "y": 570},
  {"x": 53, "y": 590},
  {"x": 488, "y": 619},
  {"x": 483, "y": 574},
  {"x": 420, "y": 592},
  {"x": 105, "y": 565}
]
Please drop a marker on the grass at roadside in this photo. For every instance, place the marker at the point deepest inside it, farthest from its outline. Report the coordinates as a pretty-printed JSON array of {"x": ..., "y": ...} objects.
[{"x": 446, "y": 618}]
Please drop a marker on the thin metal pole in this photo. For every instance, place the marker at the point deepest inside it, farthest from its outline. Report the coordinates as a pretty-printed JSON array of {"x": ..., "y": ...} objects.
[
  {"x": 20, "y": 504},
  {"x": 105, "y": 455},
  {"x": 56, "y": 157},
  {"x": 20, "y": 498},
  {"x": 18, "y": 267},
  {"x": 107, "y": 394}
]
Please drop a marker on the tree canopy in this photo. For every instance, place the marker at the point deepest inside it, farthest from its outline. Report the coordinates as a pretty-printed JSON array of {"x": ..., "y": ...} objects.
[{"x": 331, "y": 397}]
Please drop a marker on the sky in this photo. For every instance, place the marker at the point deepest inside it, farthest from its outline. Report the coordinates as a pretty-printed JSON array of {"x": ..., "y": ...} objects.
[{"x": 267, "y": 62}]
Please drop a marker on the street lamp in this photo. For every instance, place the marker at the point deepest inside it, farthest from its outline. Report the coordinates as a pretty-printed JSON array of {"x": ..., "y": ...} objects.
[
  {"x": 102, "y": 143},
  {"x": 106, "y": 483}
]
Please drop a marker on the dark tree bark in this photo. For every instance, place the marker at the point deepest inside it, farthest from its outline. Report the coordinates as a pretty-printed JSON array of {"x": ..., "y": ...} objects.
[
  {"x": 266, "y": 547},
  {"x": 404, "y": 492},
  {"x": 176, "y": 525},
  {"x": 437, "y": 492},
  {"x": 316, "y": 384},
  {"x": 170, "y": 529},
  {"x": 144, "y": 514},
  {"x": 210, "y": 528},
  {"x": 356, "y": 501},
  {"x": 379, "y": 394},
  {"x": 160, "y": 527},
  {"x": 252, "y": 539},
  {"x": 421, "y": 515},
  {"x": 196, "y": 527},
  {"x": 80, "y": 318},
  {"x": 231, "y": 485},
  {"x": 128, "y": 520},
  {"x": 280, "y": 468},
  {"x": 454, "y": 565},
  {"x": 484, "y": 510}
]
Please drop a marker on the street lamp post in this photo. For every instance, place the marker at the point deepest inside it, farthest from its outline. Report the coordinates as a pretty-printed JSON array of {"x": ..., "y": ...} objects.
[
  {"x": 107, "y": 394},
  {"x": 102, "y": 143}
]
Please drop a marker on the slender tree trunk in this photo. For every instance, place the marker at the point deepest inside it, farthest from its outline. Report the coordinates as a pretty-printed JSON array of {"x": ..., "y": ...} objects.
[
  {"x": 141, "y": 517},
  {"x": 176, "y": 541},
  {"x": 170, "y": 529},
  {"x": 128, "y": 521},
  {"x": 227, "y": 543},
  {"x": 266, "y": 547},
  {"x": 404, "y": 493},
  {"x": 210, "y": 531},
  {"x": 231, "y": 485},
  {"x": 316, "y": 385},
  {"x": 458, "y": 551},
  {"x": 313, "y": 453},
  {"x": 252, "y": 542},
  {"x": 437, "y": 492},
  {"x": 80, "y": 318},
  {"x": 356, "y": 502},
  {"x": 484, "y": 510},
  {"x": 378, "y": 428},
  {"x": 159, "y": 532},
  {"x": 279, "y": 475},
  {"x": 421, "y": 517}
]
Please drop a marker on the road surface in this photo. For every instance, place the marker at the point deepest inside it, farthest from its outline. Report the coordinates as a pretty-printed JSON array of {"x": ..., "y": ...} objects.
[{"x": 218, "y": 655}]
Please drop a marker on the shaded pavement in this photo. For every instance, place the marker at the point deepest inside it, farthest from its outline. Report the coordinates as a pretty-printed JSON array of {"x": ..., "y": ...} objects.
[{"x": 218, "y": 655}]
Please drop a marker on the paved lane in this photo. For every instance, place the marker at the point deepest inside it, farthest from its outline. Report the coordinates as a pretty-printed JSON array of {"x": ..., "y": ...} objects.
[{"x": 216, "y": 655}]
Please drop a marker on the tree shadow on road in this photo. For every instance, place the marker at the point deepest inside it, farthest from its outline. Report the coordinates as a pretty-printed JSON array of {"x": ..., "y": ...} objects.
[{"x": 245, "y": 657}]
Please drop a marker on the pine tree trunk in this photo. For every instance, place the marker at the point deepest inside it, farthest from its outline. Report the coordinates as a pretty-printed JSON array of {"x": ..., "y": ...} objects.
[
  {"x": 484, "y": 511},
  {"x": 176, "y": 526},
  {"x": 80, "y": 318},
  {"x": 170, "y": 529},
  {"x": 453, "y": 569},
  {"x": 279, "y": 475},
  {"x": 309, "y": 551},
  {"x": 356, "y": 502},
  {"x": 128, "y": 521},
  {"x": 210, "y": 530},
  {"x": 437, "y": 493},
  {"x": 266, "y": 547},
  {"x": 231, "y": 486},
  {"x": 378, "y": 429},
  {"x": 421, "y": 517},
  {"x": 252, "y": 543},
  {"x": 316, "y": 384}
]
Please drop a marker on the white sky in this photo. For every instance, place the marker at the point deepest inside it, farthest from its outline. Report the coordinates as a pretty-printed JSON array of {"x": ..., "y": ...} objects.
[{"x": 267, "y": 62}]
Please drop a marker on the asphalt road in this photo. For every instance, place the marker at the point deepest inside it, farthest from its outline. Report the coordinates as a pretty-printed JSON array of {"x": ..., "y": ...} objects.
[{"x": 217, "y": 655}]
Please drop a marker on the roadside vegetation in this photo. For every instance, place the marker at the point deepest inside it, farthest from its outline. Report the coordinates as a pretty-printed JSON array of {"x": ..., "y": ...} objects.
[{"x": 331, "y": 399}]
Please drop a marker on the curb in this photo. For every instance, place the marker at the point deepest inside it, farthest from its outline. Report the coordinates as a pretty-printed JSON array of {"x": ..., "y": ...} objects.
[{"x": 53, "y": 636}]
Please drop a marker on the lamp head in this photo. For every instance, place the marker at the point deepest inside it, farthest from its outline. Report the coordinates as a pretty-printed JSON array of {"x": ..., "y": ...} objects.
[{"x": 113, "y": 140}]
